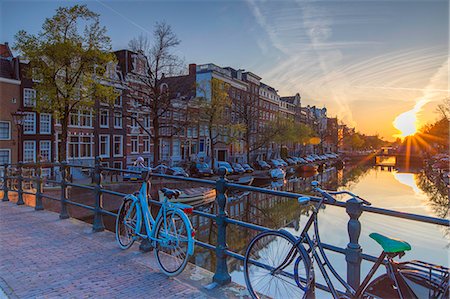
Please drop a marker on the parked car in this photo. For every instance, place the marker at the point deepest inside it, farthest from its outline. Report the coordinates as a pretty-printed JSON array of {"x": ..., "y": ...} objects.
[
  {"x": 247, "y": 168},
  {"x": 291, "y": 161},
  {"x": 284, "y": 163},
  {"x": 310, "y": 158},
  {"x": 178, "y": 171},
  {"x": 302, "y": 161},
  {"x": 276, "y": 164},
  {"x": 237, "y": 168},
  {"x": 163, "y": 169},
  {"x": 200, "y": 169},
  {"x": 262, "y": 165},
  {"x": 134, "y": 176},
  {"x": 226, "y": 165}
]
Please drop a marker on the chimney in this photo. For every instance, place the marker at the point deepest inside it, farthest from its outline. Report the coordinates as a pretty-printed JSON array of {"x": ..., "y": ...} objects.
[{"x": 192, "y": 69}]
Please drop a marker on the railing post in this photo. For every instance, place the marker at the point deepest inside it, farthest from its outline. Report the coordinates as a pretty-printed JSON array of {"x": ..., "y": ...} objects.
[
  {"x": 38, "y": 204},
  {"x": 97, "y": 225},
  {"x": 63, "y": 169},
  {"x": 5, "y": 183},
  {"x": 19, "y": 183},
  {"x": 353, "y": 250},
  {"x": 221, "y": 276}
]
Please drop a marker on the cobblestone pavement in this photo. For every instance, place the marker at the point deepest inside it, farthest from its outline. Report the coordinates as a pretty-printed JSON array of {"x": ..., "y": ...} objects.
[{"x": 45, "y": 257}]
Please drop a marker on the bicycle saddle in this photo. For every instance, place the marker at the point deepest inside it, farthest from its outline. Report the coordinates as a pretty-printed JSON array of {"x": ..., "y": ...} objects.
[
  {"x": 390, "y": 245},
  {"x": 169, "y": 193}
]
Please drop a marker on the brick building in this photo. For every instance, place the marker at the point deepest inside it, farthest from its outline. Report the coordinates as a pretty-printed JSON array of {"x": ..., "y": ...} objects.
[{"x": 10, "y": 99}]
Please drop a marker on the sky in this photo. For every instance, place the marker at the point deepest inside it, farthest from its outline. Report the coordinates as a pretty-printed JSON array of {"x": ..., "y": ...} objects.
[{"x": 373, "y": 64}]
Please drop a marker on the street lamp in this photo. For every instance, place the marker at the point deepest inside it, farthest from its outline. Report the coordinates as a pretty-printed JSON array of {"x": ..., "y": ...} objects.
[{"x": 19, "y": 119}]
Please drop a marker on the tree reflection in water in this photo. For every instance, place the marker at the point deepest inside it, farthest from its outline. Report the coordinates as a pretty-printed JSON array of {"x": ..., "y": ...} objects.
[{"x": 437, "y": 192}]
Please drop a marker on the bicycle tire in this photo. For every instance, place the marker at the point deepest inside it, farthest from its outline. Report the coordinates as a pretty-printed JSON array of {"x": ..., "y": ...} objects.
[
  {"x": 266, "y": 252},
  {"x": 125, "y": 235},
  {"x": 172, "y": 243}
]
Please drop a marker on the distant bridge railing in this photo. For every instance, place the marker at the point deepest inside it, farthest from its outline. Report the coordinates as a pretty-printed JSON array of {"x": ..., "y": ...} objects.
[{"x": 353, "y": 251}]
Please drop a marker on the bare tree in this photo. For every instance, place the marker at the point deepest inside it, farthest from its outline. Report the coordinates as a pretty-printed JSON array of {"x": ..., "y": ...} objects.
[{"x": 151, "y": 93}]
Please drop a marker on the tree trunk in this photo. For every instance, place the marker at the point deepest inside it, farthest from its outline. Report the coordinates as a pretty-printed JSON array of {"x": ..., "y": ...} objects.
[
  {"x": 62, "y": 149},
  {"x": 156, "y": 141},
  {"x": 247, "y": 147},
  {"x": 211, "y": 147}
]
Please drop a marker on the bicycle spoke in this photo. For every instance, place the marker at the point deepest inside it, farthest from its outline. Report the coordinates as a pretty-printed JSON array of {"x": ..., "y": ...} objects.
[{"x": 269, "y": 266}]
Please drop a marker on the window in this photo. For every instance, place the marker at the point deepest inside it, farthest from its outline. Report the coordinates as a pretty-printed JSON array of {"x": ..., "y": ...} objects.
[
  {"x": 45, "y": 150},
  {"x": 134, "y": 118},
  {"x": 29, "y": 97},
  {"x": 29, "y": 151},
  {"x": 29, "y": 123},
  {"x": 81, "y": 118},
  {"x": 165, "y": 149},
  {"x": 104, "y": 118},
  {"x": 134, "y": 144},
  {"x": 5, "y": 156},
  {"x": 46, "y": 123},
  {"x": 118, "y": 101},
  {"x": 104, "y": 145},
  {"x": 85, "y": 119},
  {"x": 176, "y": 148},
  {"x": 46, "y": 172},
  {"x": 117, "y": 165},
  {"x": 73, "y": 147},
  {"x": 86, "y": 146},
  {"x": 118, "y": 145},
  {"x": 202, "y": 145},
  {"x": 118, "y": 120},
  {"x": 5, "y": 130},
  {"x": 147, "y": 122},
  {"x": 80, "y": 146},
  {"x": 146, "y": 141}
]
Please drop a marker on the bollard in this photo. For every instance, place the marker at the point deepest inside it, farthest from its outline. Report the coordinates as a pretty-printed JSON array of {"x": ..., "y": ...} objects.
[
  {"x": 221, "y": 276},
  {"x": 98, "y": 225},
  {"x": 63, "y": 168},
  {"x": 19, "y": 184},
  {"x": 38, "y": 204},
  {"x": 5, "y": 183},
  {"x": 353, "y": 251}
]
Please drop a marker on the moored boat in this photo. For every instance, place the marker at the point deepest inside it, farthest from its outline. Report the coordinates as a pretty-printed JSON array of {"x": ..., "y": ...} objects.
[
  {"x": 308, "y": 168},
  {"x": 193, "y": 195}
]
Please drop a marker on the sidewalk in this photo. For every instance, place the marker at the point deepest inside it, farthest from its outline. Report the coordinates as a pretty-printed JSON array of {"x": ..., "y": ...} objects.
[{"x": 45, "y": 257}]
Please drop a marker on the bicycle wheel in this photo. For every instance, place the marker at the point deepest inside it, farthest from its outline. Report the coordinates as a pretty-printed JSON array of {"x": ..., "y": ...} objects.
[
  {"x": 171, "y": 248},
  {"x": 126, "y": 223},
  {"x": 265, "y": 253}
]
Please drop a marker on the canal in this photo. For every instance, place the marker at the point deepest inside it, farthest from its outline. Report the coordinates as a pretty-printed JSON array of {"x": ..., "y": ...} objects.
[{"x": 384, "y": 186}]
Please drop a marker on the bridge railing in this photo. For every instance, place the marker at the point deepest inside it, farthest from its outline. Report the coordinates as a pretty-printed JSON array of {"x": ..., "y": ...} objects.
[{"x": 354, "y": 209}]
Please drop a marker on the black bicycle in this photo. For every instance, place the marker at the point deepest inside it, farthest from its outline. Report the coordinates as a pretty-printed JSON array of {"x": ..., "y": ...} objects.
[{"x": 279, "y": 265}]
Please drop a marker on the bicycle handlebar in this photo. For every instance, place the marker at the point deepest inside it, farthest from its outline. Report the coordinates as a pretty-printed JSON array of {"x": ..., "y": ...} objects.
[{"x": 327, "y": 194}]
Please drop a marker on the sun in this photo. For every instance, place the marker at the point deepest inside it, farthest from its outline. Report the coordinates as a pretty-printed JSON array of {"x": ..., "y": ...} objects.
[{"x": 406, "y": 123}]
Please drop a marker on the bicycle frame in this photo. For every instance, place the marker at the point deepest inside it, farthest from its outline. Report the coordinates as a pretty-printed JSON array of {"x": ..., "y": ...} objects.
[
  {"x": 143, "y": 215},
  {"x": 393, "y": 268}
]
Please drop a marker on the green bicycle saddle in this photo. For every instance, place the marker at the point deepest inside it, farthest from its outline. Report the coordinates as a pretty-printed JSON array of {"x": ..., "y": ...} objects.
[{"x": 389, "y": 244}]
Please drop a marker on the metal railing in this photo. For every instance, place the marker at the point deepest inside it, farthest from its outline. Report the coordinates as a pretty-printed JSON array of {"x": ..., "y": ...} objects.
[{"x": 353, "y": 251}]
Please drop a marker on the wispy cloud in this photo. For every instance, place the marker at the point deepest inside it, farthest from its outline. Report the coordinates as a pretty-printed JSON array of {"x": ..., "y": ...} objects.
[{"x": 321, "y": 63}]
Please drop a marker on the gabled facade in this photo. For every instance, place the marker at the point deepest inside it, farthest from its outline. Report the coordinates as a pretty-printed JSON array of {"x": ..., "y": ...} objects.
[{"x": 10, "y": 101}]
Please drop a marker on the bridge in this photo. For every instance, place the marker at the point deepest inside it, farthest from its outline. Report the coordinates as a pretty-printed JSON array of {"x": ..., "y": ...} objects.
[{"x": 42, "y": 250}]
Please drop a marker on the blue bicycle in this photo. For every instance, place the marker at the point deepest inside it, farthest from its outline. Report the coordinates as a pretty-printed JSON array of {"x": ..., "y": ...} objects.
[{"x": 171, "y": 233}]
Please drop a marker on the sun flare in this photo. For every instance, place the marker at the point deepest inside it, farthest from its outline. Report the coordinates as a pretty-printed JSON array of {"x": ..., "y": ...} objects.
[{"x": 406, "y": 123}]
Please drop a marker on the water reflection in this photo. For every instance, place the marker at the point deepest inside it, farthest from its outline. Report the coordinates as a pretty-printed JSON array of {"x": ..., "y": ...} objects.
[{"x": 384, "y": 186}]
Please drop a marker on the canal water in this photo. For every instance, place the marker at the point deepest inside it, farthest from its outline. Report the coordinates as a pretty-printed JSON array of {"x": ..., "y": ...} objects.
[{"x": 383, "y": 186}]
